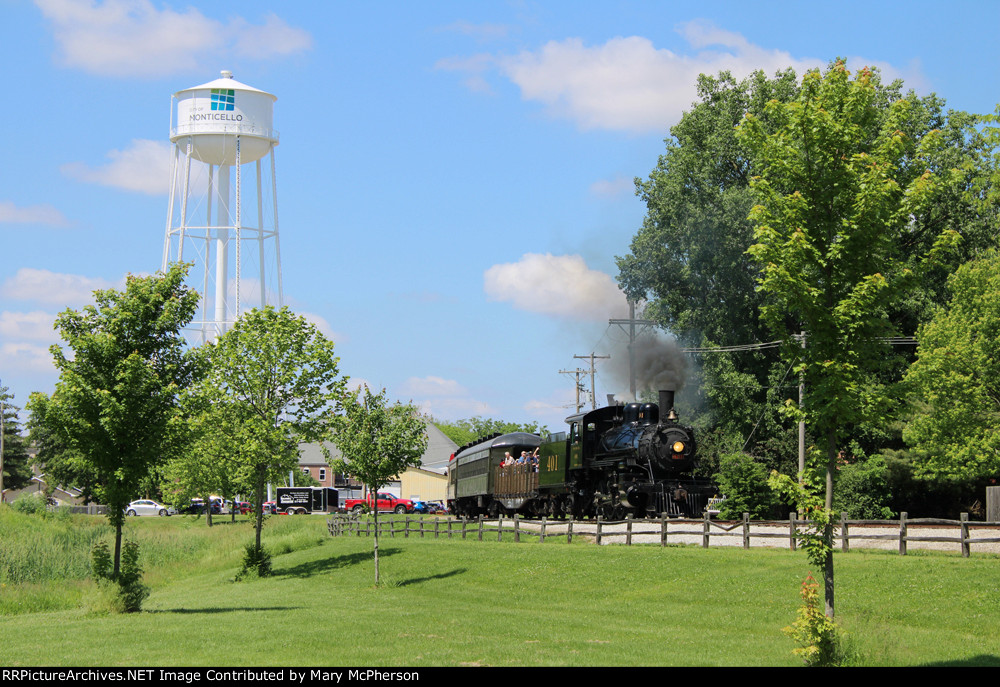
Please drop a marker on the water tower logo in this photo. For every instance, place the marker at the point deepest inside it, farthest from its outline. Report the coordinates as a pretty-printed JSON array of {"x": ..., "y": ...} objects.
[{"x": 223, "y": 98}]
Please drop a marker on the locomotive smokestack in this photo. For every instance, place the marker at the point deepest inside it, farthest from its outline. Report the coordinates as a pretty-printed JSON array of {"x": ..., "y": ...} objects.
[{"x": 667, "y": 404}]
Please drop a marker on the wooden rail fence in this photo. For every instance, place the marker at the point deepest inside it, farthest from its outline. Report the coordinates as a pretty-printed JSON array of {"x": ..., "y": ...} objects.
[{"x": 613, "y": 531}]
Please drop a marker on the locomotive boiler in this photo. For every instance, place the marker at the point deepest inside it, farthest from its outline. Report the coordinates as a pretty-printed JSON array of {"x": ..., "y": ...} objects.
[{"x": 635, "y": 459}]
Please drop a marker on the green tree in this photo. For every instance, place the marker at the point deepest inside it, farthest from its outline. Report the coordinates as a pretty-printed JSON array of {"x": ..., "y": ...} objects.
[
  {"x": 56, "y": 456},
  {"x": 377, "y": 441},
  {"x": 690, "y": 257},
  {"x": 862, "y": 490},
  {"x": 272, "y": 382},
  {"x": 464, "y": 431},
  {"x": 15, "y": 462},
  {"x": 743, "y": 481},
  {"x": 207, "y": 466},
  {"x": 955, "y": 381},
  {"x": 115, "y": 407},
  {"x": 838, "y": 183}
]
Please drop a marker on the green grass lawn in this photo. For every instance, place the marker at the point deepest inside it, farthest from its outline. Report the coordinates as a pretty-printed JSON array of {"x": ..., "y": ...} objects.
[{"x": 453, "y": 603}]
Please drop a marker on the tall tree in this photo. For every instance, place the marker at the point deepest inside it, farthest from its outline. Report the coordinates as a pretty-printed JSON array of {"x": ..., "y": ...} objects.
[
  {"x": 955, "y": 381},
  {"x": 272, "y": 382},
  {"x": 837, "y": 186},
  {"x": 207, "y": 466},
  {"x": 464, "y": 431},
  {"x": 15, "y": 467},
  {"x": 689, "y": 257},
  {"x": 115, "y": 405},
  {"x": 378, "y": 441}
]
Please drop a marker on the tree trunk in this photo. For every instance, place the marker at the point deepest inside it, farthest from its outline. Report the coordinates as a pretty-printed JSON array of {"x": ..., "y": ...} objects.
[
  {"x": 375, "y": 509},
  {"x": 259, "y": 508},
  {"x": 831, "y": 467},
  {"x": 118, "y": 546}
]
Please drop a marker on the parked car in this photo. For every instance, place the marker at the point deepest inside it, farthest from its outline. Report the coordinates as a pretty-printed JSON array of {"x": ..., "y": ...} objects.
[
  {"x": 421, "y": 506},
  {"x": 244, "y": 507},
  {"x": 271, "y": 507},
  {"x": 149, "y": 507},
  {"x": 197, "y": 507}
]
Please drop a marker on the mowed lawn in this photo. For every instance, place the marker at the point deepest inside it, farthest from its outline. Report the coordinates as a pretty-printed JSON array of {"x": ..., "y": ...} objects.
[{"x": 470, "y": 603}]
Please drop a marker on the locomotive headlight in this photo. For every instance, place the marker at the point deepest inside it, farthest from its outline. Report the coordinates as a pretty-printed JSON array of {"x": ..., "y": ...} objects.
[{"x": 678, "y": 447}]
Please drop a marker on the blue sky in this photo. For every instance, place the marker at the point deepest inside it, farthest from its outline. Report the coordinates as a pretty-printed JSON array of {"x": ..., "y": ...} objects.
[{"x": 454, "y": 178}]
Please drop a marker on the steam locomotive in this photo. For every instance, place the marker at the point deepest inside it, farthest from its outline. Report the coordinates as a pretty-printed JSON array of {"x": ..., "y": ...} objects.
[{"x": 620, "y": 460}]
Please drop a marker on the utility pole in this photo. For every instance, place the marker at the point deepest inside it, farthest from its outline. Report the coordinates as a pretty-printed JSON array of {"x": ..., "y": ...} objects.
[
  {"x": 593, "y": 393},
  {"x": 802, "y": 425},
  {"x": 579, "y": 387},
  {"x": 631, "y": 331}
]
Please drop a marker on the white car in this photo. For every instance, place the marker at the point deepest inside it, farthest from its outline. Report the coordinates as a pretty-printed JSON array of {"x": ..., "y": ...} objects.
[{"x": 147, "y": 507}]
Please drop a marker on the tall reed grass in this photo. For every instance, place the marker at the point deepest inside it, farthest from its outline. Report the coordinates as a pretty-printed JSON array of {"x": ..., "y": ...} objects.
[{"x": 45, "y": 557}]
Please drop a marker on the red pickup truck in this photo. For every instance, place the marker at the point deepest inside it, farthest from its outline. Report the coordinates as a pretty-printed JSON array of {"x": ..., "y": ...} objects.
[{"x": 387, "y": 503}]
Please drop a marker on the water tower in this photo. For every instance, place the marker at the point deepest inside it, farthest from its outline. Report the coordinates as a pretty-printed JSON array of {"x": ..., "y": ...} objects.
[{"x": 223, "y": 213}]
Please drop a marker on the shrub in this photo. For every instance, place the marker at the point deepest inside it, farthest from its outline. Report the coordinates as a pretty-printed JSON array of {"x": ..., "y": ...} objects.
[
  {"x": 121, "y": 593},
  {"x": 30, "y": 504},
  {"x": 818, "y": 636},
  {"x": 744, "y": 483},
  {"x": 256, "y": 563},
  {"x": 862, "y": 490}
]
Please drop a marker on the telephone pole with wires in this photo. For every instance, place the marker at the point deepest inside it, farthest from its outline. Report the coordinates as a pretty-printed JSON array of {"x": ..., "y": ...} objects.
[
  {"x": 631, "y": 331},
  {"x": 579, "y": 386},
  {"x": 593, "y": 392}
]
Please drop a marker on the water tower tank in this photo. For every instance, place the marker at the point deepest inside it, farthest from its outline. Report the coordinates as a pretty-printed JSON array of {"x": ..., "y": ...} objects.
[
  {"x": 215, "y": 113},
  {"x": 223, "y": 212}
]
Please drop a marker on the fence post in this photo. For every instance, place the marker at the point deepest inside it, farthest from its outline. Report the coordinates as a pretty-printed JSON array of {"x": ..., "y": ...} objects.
[
  {"x": 569, "y": 531},
  {"x": 500, "y": 528},
  {"x": 792, "y": 517},
  {"x": 704, "y": 527},
  {"x": 480, "y": 527},
  {"x": 628, "y": 530},
  {"x": 517, "y": 528},
  {"x": 599, "y": 523},
  {"x": 406, "y": 527},
  {"x": 449, "y": 529},
  {"x": 965, "y": 534},
  {"x": 746, "y": 530},
  {"x": 541, "y": 536},
  {"x": 845, "y": 537},
  {"x": 902, "y": 533},
  {"x": 465, "y": 521},
  {"x": 663, "y": 529},
  {"x": 437, "y": 528}
]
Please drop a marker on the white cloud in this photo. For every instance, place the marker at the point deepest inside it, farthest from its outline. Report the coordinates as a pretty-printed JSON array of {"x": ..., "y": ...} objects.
[
  {"x": 33, "y": 326},
  {"x": 558, "y": 285},
  {"x": 53, "y": 288},
  {"x": 31, "y": 214},
  {"x": 132, "y": 38},
  {"x": 613, "y": 188},
  {"x": 144, "y": 167},
  {"x": 323, "y": 326},
  {"x": 274, "y": 38},
  {"x": 432, "y": 386},
  {"x": 450, "y": 409},
  {"x": 26, "y": 357},
  {"x": 629, "y": 84}
]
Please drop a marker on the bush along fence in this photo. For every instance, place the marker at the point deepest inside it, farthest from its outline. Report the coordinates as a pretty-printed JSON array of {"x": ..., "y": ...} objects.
[{"x": 672, "y": 530}]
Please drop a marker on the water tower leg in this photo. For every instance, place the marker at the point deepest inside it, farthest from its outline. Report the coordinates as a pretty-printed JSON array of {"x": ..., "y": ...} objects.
[{"x": 221, "y": 252}]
